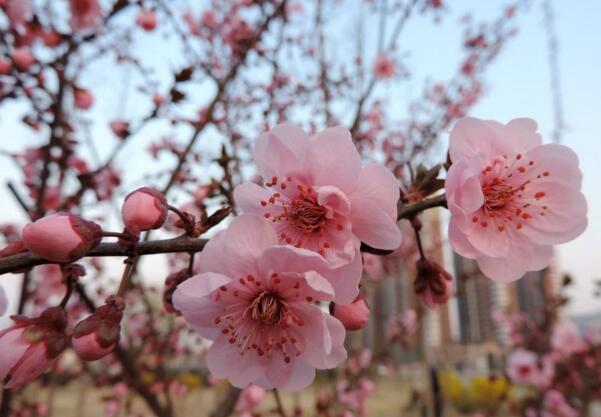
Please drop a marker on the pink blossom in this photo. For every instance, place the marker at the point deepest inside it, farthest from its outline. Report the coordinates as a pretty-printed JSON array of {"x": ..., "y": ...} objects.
[
  {"x": 209, "y": 19},
  {"x": 251, "y": 397},
  {"x": 319, "y": 197},
  {"x": 83, "y": 98},
  {"x": 144, "y": 209},
  {"x": 565, "y": 339},
  {"x": 147, "y": 20},
  {"x": 353, "y": 316},
  {"x": 525, "y": 367},
  {"x": 258, "y": 306},
  {"x": 384, "y": 67},
  {"x": 61, "y": 237},
  {"x": 511, "y": 197},
  {"x": 18, "y": 11},
  {"x": 22, "y": 58},
  {"x": 31, "y": 346},
  {"x": 3, "y": 301},
  {"x": 555, "y": 405},
  {"x": 85, "y": 14}
]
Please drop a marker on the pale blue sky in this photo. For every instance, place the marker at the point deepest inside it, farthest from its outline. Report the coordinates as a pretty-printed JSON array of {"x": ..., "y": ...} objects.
[{"x": 517, "y": 86}]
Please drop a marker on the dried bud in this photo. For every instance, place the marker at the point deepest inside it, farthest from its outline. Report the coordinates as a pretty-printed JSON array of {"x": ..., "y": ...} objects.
[
  {"x": 353, "y": 316},
  {"x": 144, "y": 209},
  {"x": 31, "y": 346},
  {"x": 147, "y": 20},
  {"x": 61, "y": 237},
  {"x": 432, "y": 283},
  {"x": 96, "y": 336},
  {"x": 171, "y": 284}
]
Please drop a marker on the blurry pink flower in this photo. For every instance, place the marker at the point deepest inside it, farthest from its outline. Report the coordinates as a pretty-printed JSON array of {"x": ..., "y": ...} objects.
[
  {"x": 319, "y": 197},
  {"x": 85, "y": 14},
  {"x": 147, "y": 20},
  {"x": 83, "y": 98},
  {"x": 384, "y": 67},
  {"x": 96, "y": 336},
  {"x": 373, "y": 266},
  {"x": 555, "y": 405},
  {"x": 524, "y": 367},
  {"x": 18, "y": 11},
  {"x": 432, "y": 283},
  {"x": 510, "y": 197},
  {"x": 251, "y": 397},
  {"x": 5, "y": 65},
  {"x": 565, "y": 339},
  {"x": 111, "y": 408},
  {"x": 31, "y": 346},
  {"x": 258, "y": 306},
  {"x": 61, "y": 237},
  {"x": 209, "y": 19},
  {"x": 144, "y": 209},
  {"x": 51, "y": 38},
  {"x": 22, "y": 58},
  {"x": 3, "y": 301},
  {"x": 353, "y": 316}
]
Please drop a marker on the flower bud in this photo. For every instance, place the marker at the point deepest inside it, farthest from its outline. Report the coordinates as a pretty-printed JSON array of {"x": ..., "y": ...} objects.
[
  {"x": 144, "y": 209},
  {"x": 83, "y": 98},
  {"x": 432, "y": 283},
  {"x": 31, "y": 346},
  {"x": 61, "y": 237},
  {"x": 96, "y": 336},
  {"x": 353, "y": 316},
  {"x": 120, "y": 128},
  {"x": 147, "y": 20},
  {"x": 23, "y": 58}
]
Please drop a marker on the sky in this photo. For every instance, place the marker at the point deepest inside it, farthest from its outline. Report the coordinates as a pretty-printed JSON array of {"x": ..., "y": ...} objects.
[{"x": 517, "y": 85}]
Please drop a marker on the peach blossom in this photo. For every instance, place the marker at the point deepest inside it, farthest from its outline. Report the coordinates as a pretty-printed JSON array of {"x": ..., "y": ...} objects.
[
  {"x": 319, "y": 197},
  {"x": 511, "y": 198},
  {"x": 256, "y": 300}
]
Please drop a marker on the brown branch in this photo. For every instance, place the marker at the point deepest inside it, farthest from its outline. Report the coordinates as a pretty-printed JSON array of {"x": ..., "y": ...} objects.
[
  {"x": 17, "y": 263},
  {"x": 409, "y": 210},
  {"x": 226, "y": 406}
]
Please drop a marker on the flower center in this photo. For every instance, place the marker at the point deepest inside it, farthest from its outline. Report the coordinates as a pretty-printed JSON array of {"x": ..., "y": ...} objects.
[
  {"x": 267, "y": 308},
  {"x": 497, "y": 194},
  {"x": 524, "y": 370},
  {"x": 306, "y": 215}
]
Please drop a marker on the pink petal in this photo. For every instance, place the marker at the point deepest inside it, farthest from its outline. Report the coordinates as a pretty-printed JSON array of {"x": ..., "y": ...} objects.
[
  {"x": 345, "y": 279},
  {"x": 33, "y": 363},
  {"x": 488, "y": 240},
  {"x": 470, "y": 137},
  {"x": 334, "y": 200},
  {"x": 248, "y": 197},
  {"x": 211, "y": 258},
  {"x": 521, "y": 135},
  {"x": 281, "y": 151},
  {"x": 377, "y": 184},
  {"x": 460, "y": 243},
  {"x": 521, "y": 259},
  {"x": 374, "y": 226},
  {"x": 334, "y": 160},
  {"x": 560, "y": 162},
  {"x": 224, "y": 361},
  {"x": 293, "y": 376},
  {"x": 12, "y": 346}
]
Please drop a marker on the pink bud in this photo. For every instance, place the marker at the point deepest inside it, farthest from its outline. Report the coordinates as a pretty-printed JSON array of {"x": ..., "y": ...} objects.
[
  {"x": 96, "y": 336},
  {"x": 83, "y": 98},
  {"x": 31, "y": 346},
  {"x": 61, "y": 237},
  {"x": 120, "y": 128},
  {"x": 23, "y": 58},
  {"x": 5, "y": 66},
  {"x": 158, "y": 99},
  {"x": 144, "y": 209},
  {"x": 147, "y": 20},
  {"x": 353, "y": 316},
  {"x": 432, "y": 283},
  {"x": 51, "y": 39}
]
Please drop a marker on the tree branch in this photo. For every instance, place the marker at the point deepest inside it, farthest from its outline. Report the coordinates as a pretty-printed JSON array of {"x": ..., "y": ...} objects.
[
  {"x": 21, "y": 261},
  {"x": 410, "y": 210}
]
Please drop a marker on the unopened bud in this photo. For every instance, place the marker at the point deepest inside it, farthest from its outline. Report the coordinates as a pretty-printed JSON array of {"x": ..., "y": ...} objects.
[
  {"x": 353, "y": 316},
  {"x": 96, "y": 336},
  {"x": 432, "y": 283},
  {"x": 144, "y": 209}
]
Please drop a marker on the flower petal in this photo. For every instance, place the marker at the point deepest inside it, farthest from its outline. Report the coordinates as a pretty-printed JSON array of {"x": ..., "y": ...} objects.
[
  {"x": 334, "y": 160},
  {"x": 376, "y": 183},
  {"x": 281, "y": 151},
  {"x": 374, "y": 226}
]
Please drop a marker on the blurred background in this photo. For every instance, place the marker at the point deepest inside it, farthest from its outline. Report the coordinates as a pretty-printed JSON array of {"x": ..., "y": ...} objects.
[{"x": 398, "y": 74}]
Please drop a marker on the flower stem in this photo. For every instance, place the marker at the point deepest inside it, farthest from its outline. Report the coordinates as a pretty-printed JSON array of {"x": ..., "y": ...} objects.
[{"x": 278, "y": 402}]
